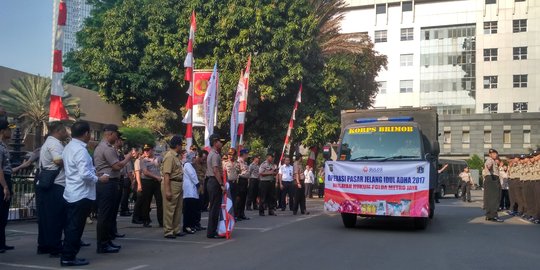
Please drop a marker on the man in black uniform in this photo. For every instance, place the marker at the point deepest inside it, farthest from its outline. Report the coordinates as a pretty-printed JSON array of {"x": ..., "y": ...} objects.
[{"x": 215, "y": 186}]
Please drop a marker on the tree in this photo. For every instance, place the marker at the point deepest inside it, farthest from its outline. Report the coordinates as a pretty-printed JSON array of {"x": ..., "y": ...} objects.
[
  {"x": 157, "y": 119},
  {"x": 475, "y": 163},
  {"x": 29, "y": 99},
  {"x": 133, "y": 50},
  {"x": 137, "y": 137}
]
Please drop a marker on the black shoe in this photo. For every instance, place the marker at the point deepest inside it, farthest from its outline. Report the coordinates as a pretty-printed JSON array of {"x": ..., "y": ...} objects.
[
  {"x": 107, "y": 249},
  {"x": 114, "y": 245},
  {"x": 200, "y": 228},
  {"x": 125, "y": 214},
  {"x": 189, "y": 230},
  {"x": 120, "y": 235},
  {"x": 41, "y": 251},
  {"x": 437, "y": 201},
  {"x": 261, "y": 214},
  {"x": 496, "y": 219},
  {"x": 84, "y": 244},
  {"x": 272, "y": 213},
  {"x": 244, "y": 218},
  {"x": 305, "y": 213},
  {"x": 8, "y": 248},
  {"x": 248, "y": 209},
  {"x": 170, "y": 236},
  {"x": 75, "y": 262},
  {"x": 215, "y": 236},
  {"x": 147, "y": 225},
  {"x": 180, "y": 234},
  {"x": 137, "y": 221}
]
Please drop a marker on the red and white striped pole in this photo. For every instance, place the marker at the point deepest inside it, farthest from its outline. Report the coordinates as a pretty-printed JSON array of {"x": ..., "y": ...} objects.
[
  {"x": 189, "y": 64},
  {"x": 287, "y": 143},
  {"x": 243, "y": 106},
  {"x": 57, "y": 111}
]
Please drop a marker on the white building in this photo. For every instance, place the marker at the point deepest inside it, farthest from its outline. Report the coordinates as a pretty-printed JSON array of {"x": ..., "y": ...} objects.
[
  {"x": 463, "y": 56},
  {"x": 77, "y": 12}
]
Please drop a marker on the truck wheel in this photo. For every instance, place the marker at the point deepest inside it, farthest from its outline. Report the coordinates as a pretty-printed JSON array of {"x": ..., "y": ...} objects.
[
  {"x": 459, "y": 193},
  {"x": 349, "y": 220},
  {"x": 421, "y": 223}
]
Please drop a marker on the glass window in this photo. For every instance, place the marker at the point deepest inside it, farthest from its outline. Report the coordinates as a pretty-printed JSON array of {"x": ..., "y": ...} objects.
[
  {"x": 520, "y": 81},
  {"x": 526, "y": 136},
  {"x": 519, "y": 26},
  {"x": 507, "y": 137},
  {"x": 407, "y": 34},
  {"x": 520, "y": 0},
  {"x": 490, "y": 107},
  {"x": 380, "y": 8},
  {"x": 447, "y": 137},
  {"x": 406, "y": 60},
  {"x": 490, "y": 82},
  {"x": 406, "y": 86},
  {"x": 520, "y": 53},
  {"x": 490, "y": 28},
  {"x": 487, "y": 136},
  {"x": 382, "y": 87},
  {"x": 521, "y": 106},
  {"x": 466, "y": 137},
  {"x": 491, "y": 1},
  {"x": 490, "y": 54},
  {"x": 406, "y": 6},
  {"x": 381, "y": 36},
  {"x": 426, "y": 34}
]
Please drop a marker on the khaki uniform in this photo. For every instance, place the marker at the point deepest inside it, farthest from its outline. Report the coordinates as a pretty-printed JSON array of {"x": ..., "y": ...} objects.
[
  {"x": 172, "y": 210},
  {"x": 267, "y": 185}
]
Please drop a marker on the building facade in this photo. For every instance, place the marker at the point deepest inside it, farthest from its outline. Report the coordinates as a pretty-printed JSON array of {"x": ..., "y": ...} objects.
[
  {"x": 462, "y": 56},
  {"x": 77, "y": 12}
]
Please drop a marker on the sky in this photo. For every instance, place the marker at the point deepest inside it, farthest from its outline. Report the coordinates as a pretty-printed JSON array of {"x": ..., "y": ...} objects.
[{"x": 26, "y": 35}]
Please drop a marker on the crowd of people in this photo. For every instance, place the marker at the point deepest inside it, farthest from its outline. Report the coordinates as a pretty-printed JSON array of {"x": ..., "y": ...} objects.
[{"x": 73, "y": 185}]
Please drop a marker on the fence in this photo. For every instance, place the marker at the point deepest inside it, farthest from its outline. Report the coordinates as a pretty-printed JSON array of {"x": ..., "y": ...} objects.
[{"x": 23, "y": 201}]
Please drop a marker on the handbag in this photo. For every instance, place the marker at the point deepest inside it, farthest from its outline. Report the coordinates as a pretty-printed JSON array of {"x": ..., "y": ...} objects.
[{"x": 46, "y": 178}]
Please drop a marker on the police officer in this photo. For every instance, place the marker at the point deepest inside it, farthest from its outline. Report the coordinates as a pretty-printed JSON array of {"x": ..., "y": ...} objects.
[
  {"x": 253, "y": 185},
  {"x": 171, "y": 189},
  {"x": 512, "y": 175},
  {"x": 492, "y": 186},
  {"x": 5, "y": 182},
  {"x": 300, "y": 188},
  {"x": 232, "y": 168},
  {"x": 243, "y": 179},
  {"x": 215, "y": 186},
  {"x": 107, "y": 163},
  {"x": 466, "y": 184},
  {"x": 267, "y": 172},
  {"x": 286, "y": 179}
]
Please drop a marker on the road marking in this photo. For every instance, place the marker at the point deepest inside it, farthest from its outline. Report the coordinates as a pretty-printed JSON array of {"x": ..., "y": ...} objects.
[
  {"x": 289, "y": 223},
  {"x": 248, "y": 228},
  {"x": 25, "y": 232},
  {"x": 173, "y": 241},
  {"x": 220, "y": 243},
  {"x": 34, "y": 266},
  {"x": 138, "y": 267}
]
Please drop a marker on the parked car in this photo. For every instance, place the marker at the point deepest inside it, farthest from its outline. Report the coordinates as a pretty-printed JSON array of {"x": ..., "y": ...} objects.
[{"x": 449, "y": 180}]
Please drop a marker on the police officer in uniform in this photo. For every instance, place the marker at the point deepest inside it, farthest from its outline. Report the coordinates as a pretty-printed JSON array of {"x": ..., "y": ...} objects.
[
  {"x": 300, "y": 188},
  {"x": 492, "y": 186},
  {"x": 5, "y": 182},
  {"x": 243, "y": 179},
  {"x": 107, "y": 163},
  {"x": 267, "y": 182},
  {"x": 512, "y": 167},
  {"x": 172, "y": 189},
  {"x": 253, "y": 185},
  {"x": 215, "y": 186}
]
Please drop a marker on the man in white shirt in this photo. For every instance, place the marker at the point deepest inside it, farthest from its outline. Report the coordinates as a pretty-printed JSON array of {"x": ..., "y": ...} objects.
[
  {"x": 51, "y": 205},
  {"x": 285, "y": 179},
  {"x": 310, "y": 180},
  {"x": 80, "y": 191}
]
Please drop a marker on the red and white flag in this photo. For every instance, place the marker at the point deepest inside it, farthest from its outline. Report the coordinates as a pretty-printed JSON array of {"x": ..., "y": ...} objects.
[
  {"x": 287, "y": 143},
  {"x": 57, "y": 111},
  {"x": 189, "y": 64},
  {"x": 238, "y": 114},
  {"x": 210, "y": 106}
]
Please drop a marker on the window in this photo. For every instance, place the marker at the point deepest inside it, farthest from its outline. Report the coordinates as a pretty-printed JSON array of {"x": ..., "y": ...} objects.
[
  {"x": 490, "y": 82},
  {"x": 407, "y": 34},
  {"x": 447, "y": 137},
  {"x": 380, "y": 8},
  {"x": 490, "y": 107},
  {"x": 526, "y": 136},
  {"x": 520, "y": 53},
  {"x": 380, "y": 36},
  {"x": 507, "y": 138},
  {"x": 520, "y": 107},
  {"x": 490, "y": 54},
  {"x": 406, "y": 6},
  {"x": 519, "y": 26},
  {"x": 487, "y": 136},
  {"x": 491, "y": 2},
  {"x": 490, "y": 28},
  {"x": 520, "y": 0},
  {"x": 406, "y": 86},
  {"x": 466, "y": 137},
  {"x": 406, "y": 60},
  {"x": 520, "y": 81},
  {"x": 382, "y": 87}
]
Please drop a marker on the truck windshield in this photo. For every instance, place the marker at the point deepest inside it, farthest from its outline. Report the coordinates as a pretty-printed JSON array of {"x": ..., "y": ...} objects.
[{"x": 392, "y": 142}]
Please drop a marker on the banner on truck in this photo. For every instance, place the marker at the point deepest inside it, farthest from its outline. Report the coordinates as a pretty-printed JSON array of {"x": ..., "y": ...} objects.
[{"x": 379, "y": 189}]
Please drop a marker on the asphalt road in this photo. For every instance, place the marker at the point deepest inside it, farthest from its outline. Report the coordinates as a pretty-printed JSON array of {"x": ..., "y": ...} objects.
[{"x": 457, "y": 238}]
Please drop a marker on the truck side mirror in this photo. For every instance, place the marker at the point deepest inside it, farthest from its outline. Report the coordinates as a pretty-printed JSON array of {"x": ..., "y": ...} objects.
[
  {"x": 327, "y": 153},
  {"x": 435, "y": 148}
]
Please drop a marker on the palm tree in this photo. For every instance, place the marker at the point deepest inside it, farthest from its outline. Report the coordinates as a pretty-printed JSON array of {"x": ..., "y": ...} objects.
[
  {"x": 28, "y": 99},
  {"x": 329, "y": 15}
]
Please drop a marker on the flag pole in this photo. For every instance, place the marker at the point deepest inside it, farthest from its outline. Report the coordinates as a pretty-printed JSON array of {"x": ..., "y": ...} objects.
[{"x": 286, "y": 144}]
